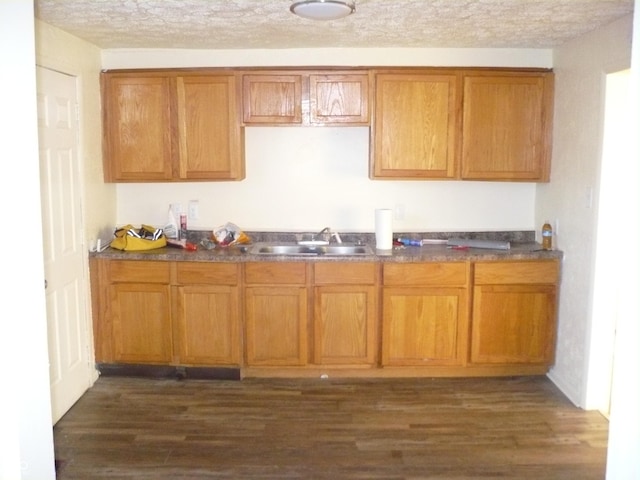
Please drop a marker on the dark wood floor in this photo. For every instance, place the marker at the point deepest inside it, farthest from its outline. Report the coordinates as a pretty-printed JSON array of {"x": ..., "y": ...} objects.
[{"x": 498, "y": 428}]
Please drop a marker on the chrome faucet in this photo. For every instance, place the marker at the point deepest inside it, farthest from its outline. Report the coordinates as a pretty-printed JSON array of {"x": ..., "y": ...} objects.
[{"x": 327, "y": 230}]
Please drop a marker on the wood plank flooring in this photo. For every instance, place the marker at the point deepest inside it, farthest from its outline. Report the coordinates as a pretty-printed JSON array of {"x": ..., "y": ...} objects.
[{"x": 479, "y": 428}]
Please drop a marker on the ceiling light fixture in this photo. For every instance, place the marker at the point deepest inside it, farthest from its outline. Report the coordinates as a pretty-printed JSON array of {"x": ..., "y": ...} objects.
[{"x": 323, "y": 9}]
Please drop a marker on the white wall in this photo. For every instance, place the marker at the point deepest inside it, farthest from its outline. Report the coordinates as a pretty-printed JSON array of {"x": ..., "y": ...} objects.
[
  {"x": 26, "y": 439},
  {"x": 308, "y": 178},
  {"x": 580, "y": 67},
  {"x": 60, "y": 51},
  {"x": 623, "y": 460}
]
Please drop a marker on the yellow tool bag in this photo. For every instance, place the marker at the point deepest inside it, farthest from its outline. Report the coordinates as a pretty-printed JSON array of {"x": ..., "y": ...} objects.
[{"x": 132, "y": 239}]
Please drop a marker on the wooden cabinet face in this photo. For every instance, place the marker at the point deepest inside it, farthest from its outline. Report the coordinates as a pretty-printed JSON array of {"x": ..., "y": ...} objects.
[
  {"x": 414, "y": 127},
  {"x": 424, "y": 326},
  {"x": 276, "y": 326},
  {"x": 141, "y": 323},
  {"x": 166, "y": 127},
  {"x": 339, "y": 99},
  {"x": 506, "y": 127},
  {"x": 271, "y": 99},
  {"x": 210, "y": 136},
  {"x": 207, "y": 325},
  {"x": 425, "y": 313},
  {"x": 304, "y": 98},
  {"x": 345, "y": 317},
  {"x": 137, "y": 128},
  {"x": 513, "y": 324},
  {"x": 345, "y": 325},
  {"x": 514, "y": 312}
]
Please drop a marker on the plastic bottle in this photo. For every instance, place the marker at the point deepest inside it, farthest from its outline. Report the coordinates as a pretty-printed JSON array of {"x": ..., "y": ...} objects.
[
  {"x": 171, "y": 227},
  {"x": 547, "y": 236},
  {"x": 409, "y": 242}
]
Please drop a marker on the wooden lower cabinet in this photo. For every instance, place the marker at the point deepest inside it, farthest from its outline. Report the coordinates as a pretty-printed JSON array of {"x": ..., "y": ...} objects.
[
  {"x": 514, "y": 313},
  {"x": 345, "y": 314},
  {"x": 424, "y": 316},
  {"x": 458, "y": 318},
  {"x": 207, "y": 318},
  {"x": 140, "y": 310},
  {"x": 167, "y": 313},
  {"x": 141, "y": 323},
  {"x": 276, "y": 314}
]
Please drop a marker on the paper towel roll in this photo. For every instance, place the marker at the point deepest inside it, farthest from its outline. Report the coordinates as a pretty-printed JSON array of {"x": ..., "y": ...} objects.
[{"x": 384, "y": 229}]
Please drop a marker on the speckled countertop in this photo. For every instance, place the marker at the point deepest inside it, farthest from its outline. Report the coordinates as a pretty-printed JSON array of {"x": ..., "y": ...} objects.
[{"x": 523, "y": 247}]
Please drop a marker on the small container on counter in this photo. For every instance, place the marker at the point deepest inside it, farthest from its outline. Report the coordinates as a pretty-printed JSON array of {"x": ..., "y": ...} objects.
[
  {"x": 183, "y": 226},
  {"x": 410, "y": 242}
]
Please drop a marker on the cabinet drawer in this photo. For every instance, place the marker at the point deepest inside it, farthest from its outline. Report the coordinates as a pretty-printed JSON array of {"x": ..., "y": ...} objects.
[
  {"x": 207, "y": 273},
  {"x": 414, "y": 274},
  {"x": 133, "y": 271},
  {"x": 344, "y": 273},
  {"x": 276, "y": 273},
  {"x": 499, "y": 273}
]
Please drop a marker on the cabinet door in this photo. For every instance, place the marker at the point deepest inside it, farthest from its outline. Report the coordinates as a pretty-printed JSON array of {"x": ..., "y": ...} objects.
[
  {"x": 414, "y": 126},
  {"x": 339, "y": 99},
  {"x": 345, "y": 325},
  {"x": 137, "y": 128},
  {"x": 513, "y": 324},
  {"x": 506, "y": 126},
  {"x": 272, "y": 99},
  {"x": 276, "y": 325},
  {"x": 209, "y": 128},
  {"x": 141, "y": 323},
  {"x": 207, "y": 325},
  {"x": 424, "y": 326}
]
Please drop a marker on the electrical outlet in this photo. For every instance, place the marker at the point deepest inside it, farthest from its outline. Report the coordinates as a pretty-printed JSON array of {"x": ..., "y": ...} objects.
[
  {"x": 398, "y": 212},
  {"x": 193, "y": 212}
]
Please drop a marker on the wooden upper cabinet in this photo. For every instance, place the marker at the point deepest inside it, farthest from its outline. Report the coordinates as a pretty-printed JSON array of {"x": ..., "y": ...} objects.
[
  {"x": 506, "y": 126},
  {"x": 339, "y": 99},
  {"x": 415, "y": 122},
  {"x": 210, "y": 136},
  {"x": 272, "y": 99},
  {"x": 166, "y": 126},
  {"x": 137, "y": 128},
  {"x": 305, "y": 98}
]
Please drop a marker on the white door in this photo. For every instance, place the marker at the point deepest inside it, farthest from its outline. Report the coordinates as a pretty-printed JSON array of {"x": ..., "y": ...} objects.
[{"x": 64, "y": 262}]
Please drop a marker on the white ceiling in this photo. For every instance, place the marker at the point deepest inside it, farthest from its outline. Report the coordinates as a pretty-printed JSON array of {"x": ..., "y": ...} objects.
[{"x": 267, "y": 24}]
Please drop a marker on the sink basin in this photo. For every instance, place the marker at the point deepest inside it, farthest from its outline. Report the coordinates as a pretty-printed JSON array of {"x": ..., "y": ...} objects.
[{"x": 311, "y": 250}]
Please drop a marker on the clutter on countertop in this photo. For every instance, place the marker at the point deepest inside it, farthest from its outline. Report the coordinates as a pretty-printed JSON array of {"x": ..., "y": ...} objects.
[
  {"x": 229, "y": 234},
  {"x": 182, "y": 243},
  {"x": 146, "y": 237}
]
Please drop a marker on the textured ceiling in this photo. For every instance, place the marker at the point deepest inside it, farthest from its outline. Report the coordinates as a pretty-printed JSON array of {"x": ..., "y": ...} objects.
[{"x": 257, "y": 24}]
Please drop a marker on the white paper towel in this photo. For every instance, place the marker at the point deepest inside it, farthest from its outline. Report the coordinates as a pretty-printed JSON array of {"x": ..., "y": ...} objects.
[{"x": 384, "y": 229}]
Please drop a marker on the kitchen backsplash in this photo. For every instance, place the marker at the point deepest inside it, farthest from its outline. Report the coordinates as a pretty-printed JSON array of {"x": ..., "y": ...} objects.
[{"x": 520, "y": 236}]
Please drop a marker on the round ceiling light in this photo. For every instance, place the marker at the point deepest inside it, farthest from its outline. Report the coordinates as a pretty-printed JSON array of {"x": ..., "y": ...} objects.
[{"x": 323, "y": 9}]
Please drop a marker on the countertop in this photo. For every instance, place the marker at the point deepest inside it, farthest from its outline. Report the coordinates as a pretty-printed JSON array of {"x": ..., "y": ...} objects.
[{"x": 427, "y": 253}]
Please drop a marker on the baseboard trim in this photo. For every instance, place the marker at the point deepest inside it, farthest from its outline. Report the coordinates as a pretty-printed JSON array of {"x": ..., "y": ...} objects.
[{"x": 167, "y": 371}]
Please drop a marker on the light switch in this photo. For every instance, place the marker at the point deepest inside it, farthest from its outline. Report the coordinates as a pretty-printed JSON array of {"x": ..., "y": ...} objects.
[{"x": 193, "y": 212}]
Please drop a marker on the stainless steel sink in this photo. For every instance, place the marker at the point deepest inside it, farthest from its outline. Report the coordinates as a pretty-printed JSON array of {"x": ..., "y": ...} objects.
[{"x": 343, "y": 249}]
